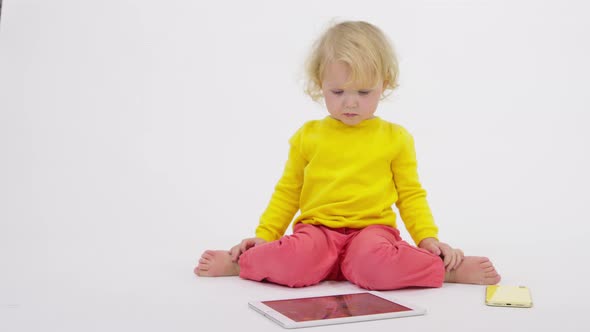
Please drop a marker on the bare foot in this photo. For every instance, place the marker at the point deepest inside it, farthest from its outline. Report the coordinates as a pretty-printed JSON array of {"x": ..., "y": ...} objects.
[
  {"x": 474, "y": 270},
  {"x": 216, "y": 263}
]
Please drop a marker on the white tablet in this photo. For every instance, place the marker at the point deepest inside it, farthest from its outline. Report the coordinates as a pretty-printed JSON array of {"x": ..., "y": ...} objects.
[{"x": 334, "y": 309}]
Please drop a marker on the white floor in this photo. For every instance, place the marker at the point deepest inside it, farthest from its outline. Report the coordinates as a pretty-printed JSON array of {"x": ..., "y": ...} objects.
[{"x": 147, "y": 288}]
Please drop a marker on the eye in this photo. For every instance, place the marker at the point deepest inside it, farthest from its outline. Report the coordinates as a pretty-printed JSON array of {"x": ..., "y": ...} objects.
[
  {"x": 364, "y": 92},
  {"x": 337, "y": 92}
]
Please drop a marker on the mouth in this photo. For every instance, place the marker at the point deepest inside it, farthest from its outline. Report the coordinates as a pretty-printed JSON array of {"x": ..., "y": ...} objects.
[{"x": 350, "y": 115}]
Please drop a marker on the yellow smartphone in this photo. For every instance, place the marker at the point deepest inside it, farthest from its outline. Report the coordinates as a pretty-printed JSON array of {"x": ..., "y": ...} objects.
[{"x": 508, "y": 296}]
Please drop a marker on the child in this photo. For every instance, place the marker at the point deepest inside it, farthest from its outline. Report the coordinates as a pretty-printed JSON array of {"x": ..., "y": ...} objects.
[{"x": 344, "y": 173}]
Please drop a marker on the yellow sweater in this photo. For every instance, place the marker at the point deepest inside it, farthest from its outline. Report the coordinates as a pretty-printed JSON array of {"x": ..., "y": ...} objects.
[{"x": 349, "y": 176}]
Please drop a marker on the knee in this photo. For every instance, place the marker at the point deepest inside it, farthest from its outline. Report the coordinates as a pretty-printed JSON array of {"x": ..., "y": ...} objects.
[
  {"x": 293, "y": 262},
  {"x": 369, "y": 266},
  {"x": 370, "y": 248}
]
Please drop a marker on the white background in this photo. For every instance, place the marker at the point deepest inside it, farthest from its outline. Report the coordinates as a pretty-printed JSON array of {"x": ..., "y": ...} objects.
[{"x": 136, "y": 134}]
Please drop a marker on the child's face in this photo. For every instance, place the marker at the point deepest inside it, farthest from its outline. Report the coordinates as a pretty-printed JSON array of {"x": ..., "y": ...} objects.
[{"x": 351, "y": 105}]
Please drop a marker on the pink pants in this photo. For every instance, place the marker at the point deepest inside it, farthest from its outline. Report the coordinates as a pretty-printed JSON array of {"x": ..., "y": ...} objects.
[{"x": 373, "y": 258}]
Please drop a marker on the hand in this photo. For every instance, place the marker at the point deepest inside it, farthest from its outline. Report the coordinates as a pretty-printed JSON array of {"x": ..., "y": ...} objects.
[
  {"x": 452, "y": 258},
  {"x": 246, "y": 244}
]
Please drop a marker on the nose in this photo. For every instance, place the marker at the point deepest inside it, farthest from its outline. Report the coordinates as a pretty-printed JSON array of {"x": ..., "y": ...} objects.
[{"x": 350, "y": 100}]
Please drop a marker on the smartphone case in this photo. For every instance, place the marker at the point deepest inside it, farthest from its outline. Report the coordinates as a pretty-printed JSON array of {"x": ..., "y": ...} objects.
[{"x": 508, "y": 296}]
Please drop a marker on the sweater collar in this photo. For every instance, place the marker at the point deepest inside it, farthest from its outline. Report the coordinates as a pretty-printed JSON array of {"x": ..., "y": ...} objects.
[{"x": 335, "y": 123}]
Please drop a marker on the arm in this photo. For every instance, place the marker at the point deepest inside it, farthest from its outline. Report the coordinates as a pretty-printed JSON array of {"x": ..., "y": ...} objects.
[
  {"x": 284, "y": 202},
  {"x": 414, "y": 208},
  {"x": 411, "y": 203}
]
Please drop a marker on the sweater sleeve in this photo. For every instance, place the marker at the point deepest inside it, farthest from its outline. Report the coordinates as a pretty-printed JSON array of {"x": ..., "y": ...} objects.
[
  {"x": 412, "y": 204},
  {"x": 284, "y": 202}
]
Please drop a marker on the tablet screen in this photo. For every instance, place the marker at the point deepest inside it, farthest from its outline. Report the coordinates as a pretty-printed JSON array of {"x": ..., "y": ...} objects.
[{"x": 336, "y": 306}]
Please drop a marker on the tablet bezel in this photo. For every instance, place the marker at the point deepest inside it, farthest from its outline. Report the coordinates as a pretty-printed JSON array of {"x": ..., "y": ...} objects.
[{"x": 288, "y": 323}]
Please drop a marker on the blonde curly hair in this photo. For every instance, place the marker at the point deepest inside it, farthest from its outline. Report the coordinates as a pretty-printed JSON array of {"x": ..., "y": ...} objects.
[{"x": 363, "y": 47}]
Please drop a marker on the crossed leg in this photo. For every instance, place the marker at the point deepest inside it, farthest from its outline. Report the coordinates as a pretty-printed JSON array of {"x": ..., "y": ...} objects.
[
  {"x": 302, "y": 259},
  {"x": 377, "y": 258}
]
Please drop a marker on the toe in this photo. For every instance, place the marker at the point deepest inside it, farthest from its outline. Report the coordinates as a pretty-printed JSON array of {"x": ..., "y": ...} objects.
[
  {"x": 491, "y": 280},
  {"x": 202, "y": 266},
  {"x": 496, "y": 280},
  {"x": 486, "y": 264},
  {"x": 489, "y": 269},
  {"x": 201, "y": 272}
]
